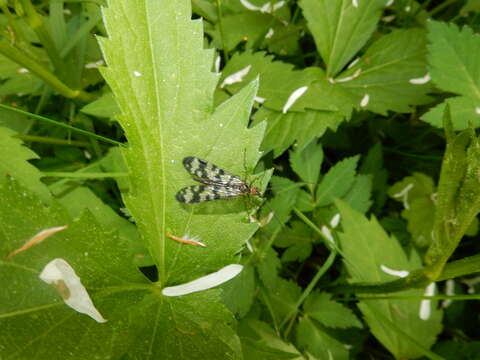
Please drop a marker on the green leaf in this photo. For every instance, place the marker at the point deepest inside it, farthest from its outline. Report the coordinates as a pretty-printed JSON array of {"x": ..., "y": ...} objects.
[
  {"x": 312, "y": 338},
  {"x": 239, "y": 293},
  {"x": 373, "y": 164},
  {"x": 412, "y": 187},
  {"x": 458, "y": 196},
  {"x": 151, "y": 325},
  {"x": 260, "y": 342},
  {"x": 14, "y": 162},
  {"x": 340, "y": 29},
  {"x": 367, "y": 248},
  {"x": 338, "y": 180},
  {"x": 104, "y": 107},
  {"x": 277, "y": 80},
  {"x": 165, "y": 93},
  {"x": 390, "y": 74},
  {"x": 358, "y": 197},
  {"x": 307, "y": 162},
  {"x": 420, "y": 217},
  {"x": 283, "y": 130},
  {"x": 330, "y": 313},
  {"x": 454, "y": 68}
]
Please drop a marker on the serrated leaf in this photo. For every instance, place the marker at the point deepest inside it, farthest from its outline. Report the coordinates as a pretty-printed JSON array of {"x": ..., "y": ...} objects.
[
  {"x": 239, "y": 293},
  {"x": 14, "y": 162},
  {"x": 367, "y": 247},
  {"x": 307, "y": 162},
  {"x": 283, "y": 130},
  {"x": 151, "y": 325},
  {"x": 297, "y": 252},
  {"x": 330, "y": 313},
  {"x": 260, "y": 342},
  {"x": 358, "y": 197},
  {"x": 277, "y": 80},
  {"x": 340, "y": 28},
  {"x": 338, "y": 180},
  {"x": 453, "y": 67},
  {"x": 390, "y": 73},
  {"x": 160, "y": 75},
  {"x": 312, "y": 338}
]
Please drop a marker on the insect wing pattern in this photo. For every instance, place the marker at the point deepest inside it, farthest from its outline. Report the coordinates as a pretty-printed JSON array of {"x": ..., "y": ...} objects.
[{"x": 216, "y": 183}]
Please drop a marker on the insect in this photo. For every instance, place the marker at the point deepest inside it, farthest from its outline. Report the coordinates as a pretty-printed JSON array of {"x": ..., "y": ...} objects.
[{"x": 216, "y": 183}]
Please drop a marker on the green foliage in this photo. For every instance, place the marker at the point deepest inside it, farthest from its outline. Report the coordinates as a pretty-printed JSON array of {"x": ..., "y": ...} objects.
[
  {"x": 102, "y": 101},
  {"x": 367, "y": 248},
  {"x": 454, "y": 68}
]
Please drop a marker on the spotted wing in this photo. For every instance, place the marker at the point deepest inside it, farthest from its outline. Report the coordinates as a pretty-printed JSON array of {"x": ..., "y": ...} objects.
[
  {"x": 202, "y": 193},
  {"x": 206, "y": 170}
]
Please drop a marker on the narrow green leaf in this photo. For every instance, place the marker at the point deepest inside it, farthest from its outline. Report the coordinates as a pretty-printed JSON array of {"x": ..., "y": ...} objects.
[{"x": 340, "y": 28}]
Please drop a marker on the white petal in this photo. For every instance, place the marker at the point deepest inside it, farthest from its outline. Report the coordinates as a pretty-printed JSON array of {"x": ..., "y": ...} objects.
[
  {"x": 404, "y": 193},
  {"x": 477, "y": 110},
  {"x": 389, "y": 3},
  {"x": 335, "y": 221},
  {"x": 249, "y": 6},
  {"x": 259, "y": 99},
  {"x": 426, "y": 305},
  {"x": 205, "y": 282},
  {"x": 269, "y": 33},
  {"x": 278, "y": 5},
  {"x": 450, "y": 291},
  {"x": 63, "y": 278},
  {"x": 217, "y": 63},
  {"x": 365, "y": 100},
  {"x": 399, "y": 273},
  {"x": 293, "y": 98},
  {"x": 327, "y": 233},
  {"x": 236, "y": 77},
  {"x": 355, "y": 3},
  {"x": 419, "y": 81}
]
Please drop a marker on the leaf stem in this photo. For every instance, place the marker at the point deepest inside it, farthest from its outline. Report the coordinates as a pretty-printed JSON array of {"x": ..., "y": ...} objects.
[
  {"x": 323, "y": 269},
  {"x": 21, "y": 58},
  {"x": 60, "y": 124},
  {"x": 50, "y": 140},
  {"x": 220, "y": 26},
  {"x": 99, "y": 175}
]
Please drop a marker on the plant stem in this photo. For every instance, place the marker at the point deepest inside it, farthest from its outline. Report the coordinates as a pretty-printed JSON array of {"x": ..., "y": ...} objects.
[
  {"x": 77, "y": 175},
  {"x": 222, "y": 33},
  {"x": 60, "y": 124},
  {"x": 50, "y": 140},
  {"x": 26, "y": 61},
  {"x": 323, "y": 269}
]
